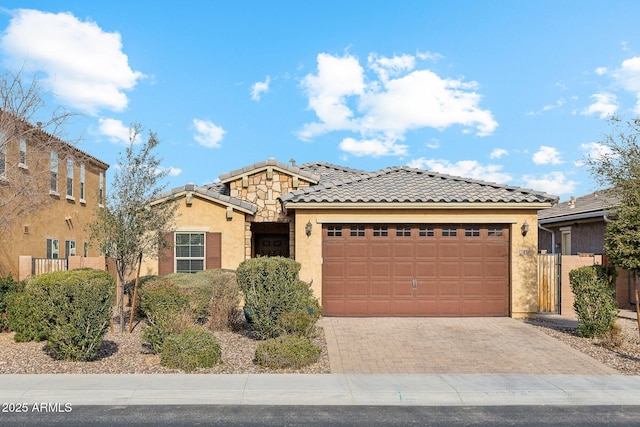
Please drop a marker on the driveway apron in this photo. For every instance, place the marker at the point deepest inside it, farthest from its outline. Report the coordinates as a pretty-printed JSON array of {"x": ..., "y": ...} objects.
[{"x": 493, "y": 345}]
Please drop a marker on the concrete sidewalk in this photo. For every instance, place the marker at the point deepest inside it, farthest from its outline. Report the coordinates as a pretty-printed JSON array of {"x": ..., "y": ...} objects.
[{"x": 329, "y": 389}]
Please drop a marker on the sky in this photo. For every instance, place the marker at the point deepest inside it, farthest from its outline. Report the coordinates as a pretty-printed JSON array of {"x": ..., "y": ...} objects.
[{"x": 514, "y": 92}]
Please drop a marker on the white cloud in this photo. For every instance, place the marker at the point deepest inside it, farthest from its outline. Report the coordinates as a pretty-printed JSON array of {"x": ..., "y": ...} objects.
[
  {"x": 115, "y": 131},
  {"x": 497, "y": 153},
  {"x": 547, "y": 156},
  {"x": 431, "y": 56},
  {"x": 601, "y": 71},
  {"x": 596, "y": 150},
  {"x": 553, "y": 183},
  {"x": 559, "y": 103},
  {"x": 604, "y": 106},
  {"x": 174, "y": 171},
  {"x": 433, "y": 144},
  {"x": 394, "y": 99},
  {"x": 464, "y": 168},
  {"x": 259, "y": 88},
  {"x": 85, "y": 66},
  {"x": 372, "y": 147},
  {"x": 628, "y": 76},
  {"x": 207, "y": 133}
]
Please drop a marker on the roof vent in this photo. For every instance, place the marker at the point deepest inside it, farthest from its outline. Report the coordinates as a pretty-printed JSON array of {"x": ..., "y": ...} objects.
[
  {"x": 572, "y": 202},
  {"x": 292, "y": 161}
]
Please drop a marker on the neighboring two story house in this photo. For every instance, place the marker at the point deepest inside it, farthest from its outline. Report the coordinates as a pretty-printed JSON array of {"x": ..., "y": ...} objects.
[{"x": 49, "y": 191}]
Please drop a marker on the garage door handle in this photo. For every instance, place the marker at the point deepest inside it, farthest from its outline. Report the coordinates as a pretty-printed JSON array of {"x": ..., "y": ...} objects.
[{"x": 415, "y": 283}]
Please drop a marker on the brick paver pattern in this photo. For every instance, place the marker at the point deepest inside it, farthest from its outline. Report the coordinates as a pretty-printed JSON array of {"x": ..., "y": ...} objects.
[{"x": 496, "y": 345}]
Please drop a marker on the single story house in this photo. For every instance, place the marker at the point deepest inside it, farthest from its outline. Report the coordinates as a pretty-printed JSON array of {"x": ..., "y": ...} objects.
[
  {"x": 394, "y": 242},
  {"x": 576, "y": 228}
]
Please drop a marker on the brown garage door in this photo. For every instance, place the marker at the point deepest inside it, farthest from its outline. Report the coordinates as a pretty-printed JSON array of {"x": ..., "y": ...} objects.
[{"x": 415, "y": 270}]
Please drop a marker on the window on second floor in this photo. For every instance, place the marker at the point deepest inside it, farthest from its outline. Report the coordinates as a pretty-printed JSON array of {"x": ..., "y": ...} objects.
[
  {"x": 23, "y": 153},
  {"x": 70, "y": 178},
  {"x": 54, "y": 173},
  {"x": 82, "y": 183},
  {"x": 101, "y": 190}
]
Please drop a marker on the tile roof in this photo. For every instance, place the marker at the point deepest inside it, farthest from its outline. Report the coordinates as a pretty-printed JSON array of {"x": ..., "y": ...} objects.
[
  {"x": 225, "y": 177},
  {"x": 595, "y": 203},
  {"x": 214, "y": 191},
  {"x": 404, "y": 184},
  {"x": 330, "y": 172}
]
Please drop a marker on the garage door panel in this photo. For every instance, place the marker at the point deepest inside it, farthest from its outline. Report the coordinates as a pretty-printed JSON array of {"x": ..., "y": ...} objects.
[{"x": 373, "y": 275}]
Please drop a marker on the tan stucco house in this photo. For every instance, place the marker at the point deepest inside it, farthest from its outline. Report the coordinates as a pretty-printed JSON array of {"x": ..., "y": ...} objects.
[
  {"x": 49, "y": 191},
  {"x": 395, "y": 242}
]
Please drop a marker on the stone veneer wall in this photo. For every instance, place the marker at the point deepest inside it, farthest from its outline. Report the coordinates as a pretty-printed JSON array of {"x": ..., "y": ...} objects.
[{"x": 263, "y": 189}]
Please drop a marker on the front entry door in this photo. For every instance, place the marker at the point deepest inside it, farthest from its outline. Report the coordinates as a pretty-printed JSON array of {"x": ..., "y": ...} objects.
[{"x": 272, "y": 245}]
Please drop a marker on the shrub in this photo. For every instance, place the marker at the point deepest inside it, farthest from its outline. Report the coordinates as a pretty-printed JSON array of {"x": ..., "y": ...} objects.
[
  {"x": 24, "y": 317},
  {"x": 197, "y": 287},
  {"x": 191, "y": 349},
  {"x": 271, "y": 287},
  {"x": 225, "y": 299},
  {"x": 612, "y": 339},
  {"x": 167, "y": 310},
  {"x": 79, "y": 314},
  {"x": 7, "y": 286},
  {"x": 298, "y": 323},
  {"x": 287, "y": 351},
  {"x": 594, "y": 302}
]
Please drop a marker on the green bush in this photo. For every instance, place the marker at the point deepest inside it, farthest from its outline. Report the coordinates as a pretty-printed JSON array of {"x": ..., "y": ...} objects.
[
  {"x": 191, "y": 349},
  {"x": 71, "y": 309},
  {"x": 298, "y": 323},
  {"x": 271, "y": 287},
  {"x": 7, "y": 286},
  {"x": 167, "y": 310},
  {"x": 197, "y": 287},
  {"x": 225, "y": 300},
  {"x": 287, "y": 351},
  {"x": 594, "y": 299},
  {"x": 25, "y": 317}
]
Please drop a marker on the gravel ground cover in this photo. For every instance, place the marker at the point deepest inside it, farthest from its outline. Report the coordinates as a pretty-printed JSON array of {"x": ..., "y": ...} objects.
[
  {"x": 129, "y": 354},
  {"x": 624, "y": 358}
]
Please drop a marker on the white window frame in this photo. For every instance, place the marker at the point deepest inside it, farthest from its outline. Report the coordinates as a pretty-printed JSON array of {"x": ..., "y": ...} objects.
[
  {"x": 23, "y": 154},
  {"x": 565, "y": 240},
  {"x": 53, "y": 248},
  {"x": 69, "y": 248},
  {"x": 53, "y": 166},
  {"x": 70, "y": 179},
  {"x": 82, "y": 198},
  {"x": 190, "y": 257}
]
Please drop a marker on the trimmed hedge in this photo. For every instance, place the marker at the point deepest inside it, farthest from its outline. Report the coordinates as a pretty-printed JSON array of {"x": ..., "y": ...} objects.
[
  {"x": 192, "y": 349},
  {"x": 287, "y": 351},
  {"x": 71, "y": 309},
  {"x": 271, "y": 288},
  {"x": 594, "y": 299}
]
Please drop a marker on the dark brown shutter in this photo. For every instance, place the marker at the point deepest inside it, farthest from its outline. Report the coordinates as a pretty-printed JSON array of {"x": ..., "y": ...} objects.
[
  {"x": 165, "y": 260},
  {"x": 214, "y": 251}
]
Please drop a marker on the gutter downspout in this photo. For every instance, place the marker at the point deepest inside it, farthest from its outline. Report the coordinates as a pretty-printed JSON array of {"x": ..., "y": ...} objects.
[{"x": 553, "y": 238}]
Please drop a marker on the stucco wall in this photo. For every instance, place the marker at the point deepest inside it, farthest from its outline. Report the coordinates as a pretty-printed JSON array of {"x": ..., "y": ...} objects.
[
  {"x": 205, "y": 215},
  {"x": 60, "y": 218},
  {"x": 586, "y": 237},
  {"x": 523, "y": 259}
]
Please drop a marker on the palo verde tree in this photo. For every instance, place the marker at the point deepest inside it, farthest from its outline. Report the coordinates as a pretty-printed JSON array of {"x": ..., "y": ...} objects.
[
  {"x": 29, "y": 132},
  {"x": 129, "y": 228},
  {"x": 618, "y": 167}
]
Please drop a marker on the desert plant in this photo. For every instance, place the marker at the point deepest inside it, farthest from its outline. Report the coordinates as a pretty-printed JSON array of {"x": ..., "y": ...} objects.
[
  {"x": 271, "y": 287},
  {"x": 287, "y": 351},
  {"x": 7, "y": 286},
  {"x": 24, "y": 317},
  {"x": 594, "y": 299},
  {"x": 298, "y": 323},
  {"x": 71, "y": 309},
  {"x": 191, "y": 349},
  {"x": 167, "y": 310},
  {"x": 224, "y": 312},
  {"x": 612, "y": 339}
]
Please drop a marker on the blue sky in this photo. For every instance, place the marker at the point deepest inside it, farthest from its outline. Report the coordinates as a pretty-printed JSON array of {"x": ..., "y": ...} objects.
[{"x": 515, "y": 92}]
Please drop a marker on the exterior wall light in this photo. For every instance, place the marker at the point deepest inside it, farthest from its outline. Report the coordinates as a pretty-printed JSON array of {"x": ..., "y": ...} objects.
[
  {"x": 307, "y": 229},
  {"x": 524, "y": 229}
]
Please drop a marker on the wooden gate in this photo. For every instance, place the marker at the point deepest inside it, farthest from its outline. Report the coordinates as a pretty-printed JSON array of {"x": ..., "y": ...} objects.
[
  {"x": 549, "y": 283},
  {"x": 48, "y": 265}
]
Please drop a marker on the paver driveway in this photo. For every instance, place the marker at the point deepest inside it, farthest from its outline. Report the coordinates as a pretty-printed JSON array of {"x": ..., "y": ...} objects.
[{"x": 495, "y": 345}]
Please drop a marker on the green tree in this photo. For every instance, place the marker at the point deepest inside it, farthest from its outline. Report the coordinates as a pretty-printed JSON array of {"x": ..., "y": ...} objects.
[
  {"x": 128, "y": 228},
  {"x": 618, "y": 167}
]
